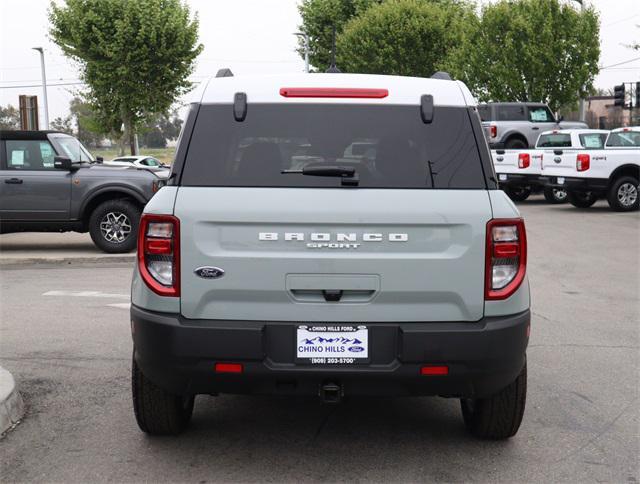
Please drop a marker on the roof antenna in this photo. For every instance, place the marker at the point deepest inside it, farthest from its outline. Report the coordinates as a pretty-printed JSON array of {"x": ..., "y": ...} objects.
[{"x": 333, "y": 69}]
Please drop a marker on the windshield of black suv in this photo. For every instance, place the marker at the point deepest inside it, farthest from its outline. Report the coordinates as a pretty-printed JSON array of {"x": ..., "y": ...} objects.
[
  {"x": 71, "y": 148},
  {"x": 388, "y": 146}
]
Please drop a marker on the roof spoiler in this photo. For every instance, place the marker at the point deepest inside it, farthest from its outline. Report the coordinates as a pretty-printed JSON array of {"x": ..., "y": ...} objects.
[
  {"x": 445, "y": 76},
  {"x": 226, "y": 72}
]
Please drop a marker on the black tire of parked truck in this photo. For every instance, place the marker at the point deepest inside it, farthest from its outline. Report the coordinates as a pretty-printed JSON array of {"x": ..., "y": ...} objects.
[
  {"x": 581, "y": 199},
  {"x": 555, "y": 195},
  {"x": 624, "y": 195},
  {"x": 518, "y": 193},
  {"x": 515, "y": 144},
  {"x": 113, "y": 226},
  {"x": 157, "y": 411},
  {"x": 498, "y": 416}
]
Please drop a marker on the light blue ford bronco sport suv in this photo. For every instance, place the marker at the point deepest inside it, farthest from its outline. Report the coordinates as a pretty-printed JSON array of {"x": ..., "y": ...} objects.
[{"x": 331, "y": 235}]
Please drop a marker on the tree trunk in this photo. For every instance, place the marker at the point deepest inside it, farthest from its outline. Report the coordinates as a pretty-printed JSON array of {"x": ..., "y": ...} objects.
[{"x": 129, "y": 134}]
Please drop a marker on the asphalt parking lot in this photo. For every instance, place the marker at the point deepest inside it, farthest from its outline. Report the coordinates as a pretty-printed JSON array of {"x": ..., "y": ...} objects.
[{"x": 65, "y": 337}]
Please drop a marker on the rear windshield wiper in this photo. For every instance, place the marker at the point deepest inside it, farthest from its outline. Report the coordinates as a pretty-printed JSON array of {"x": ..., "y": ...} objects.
[{"x": 347, "y": 173}]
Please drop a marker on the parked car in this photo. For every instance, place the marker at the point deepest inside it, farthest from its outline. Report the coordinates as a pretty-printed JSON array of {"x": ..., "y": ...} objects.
[
  {"x": 517, "y": 125},
  {"x": 49, "y": 182},
  {"x": 138, "y": 161},
  {"x": 331, "y": 235},
  {"x": 612, "y": 173},
  {"x": 519, "y": 171}
]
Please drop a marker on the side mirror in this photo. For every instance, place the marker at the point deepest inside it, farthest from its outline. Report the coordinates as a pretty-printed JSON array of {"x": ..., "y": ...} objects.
[
  {"x": 62, "y": 163},
  {"x": 560, "y": 118},
  {"x": 99, "y": 159}
]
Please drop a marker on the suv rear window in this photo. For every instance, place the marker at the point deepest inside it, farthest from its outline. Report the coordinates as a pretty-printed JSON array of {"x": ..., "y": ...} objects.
[
  {"x": 389, "y": 146},
  {"x": 506, "y": 112},
  {"x": 484, "y": 110},
  {"x": 555, "y": 140}
]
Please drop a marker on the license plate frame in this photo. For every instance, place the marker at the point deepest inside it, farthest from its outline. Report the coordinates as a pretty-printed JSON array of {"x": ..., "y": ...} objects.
[{"x": 331, "y": 344}]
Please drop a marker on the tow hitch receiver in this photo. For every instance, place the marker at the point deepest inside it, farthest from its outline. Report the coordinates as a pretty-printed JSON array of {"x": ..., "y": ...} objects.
[{"x": 331, "y": 393}]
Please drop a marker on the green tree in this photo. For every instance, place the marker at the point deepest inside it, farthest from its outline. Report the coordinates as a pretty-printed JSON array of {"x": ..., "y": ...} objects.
[
  {"x": 318, "y": 19},
  {"x": 161, "y": 128},
  {"x": 404, "y": 37},
  {"x": 62, "y": 124},
  {"x": 134, "y": 56},
  {"x": 530, "y": 50},
  {"x": 9, "y": 117},
  {"x": 89, "y": 129}
]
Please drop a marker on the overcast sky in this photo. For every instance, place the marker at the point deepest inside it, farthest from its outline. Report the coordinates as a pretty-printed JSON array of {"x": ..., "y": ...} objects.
[{"x": 249, "y": 36}]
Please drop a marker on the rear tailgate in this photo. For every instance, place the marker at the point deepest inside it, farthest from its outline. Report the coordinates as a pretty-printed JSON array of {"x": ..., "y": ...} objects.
[
  {"x": 559, "y": 162},
  {"x": 508, "y": 161},
  {"x": 394, "y": 255}
]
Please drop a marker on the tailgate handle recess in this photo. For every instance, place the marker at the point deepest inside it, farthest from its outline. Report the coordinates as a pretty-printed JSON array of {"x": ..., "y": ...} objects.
[{"x": 332, "y": 295}]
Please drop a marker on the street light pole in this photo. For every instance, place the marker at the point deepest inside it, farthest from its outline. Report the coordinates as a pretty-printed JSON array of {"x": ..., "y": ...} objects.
[
  {"x": 44, "y": 88},
  {"x": 581, "y": 108},
  {"x": 306, "y": 49}
]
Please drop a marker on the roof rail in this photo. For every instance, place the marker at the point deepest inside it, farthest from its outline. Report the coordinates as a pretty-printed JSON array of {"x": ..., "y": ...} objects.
[
  {"x": 226, "y": 72},
  {"x": 445, "y": 76}
]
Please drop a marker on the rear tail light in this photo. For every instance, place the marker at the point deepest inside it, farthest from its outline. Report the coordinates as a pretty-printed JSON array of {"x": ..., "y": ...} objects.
[
  {"x": 493, "y": 131},
  {"x": 159, "y": 253},
  {"x": 524, "y": 160},
  {"x": 506, "y": 257},
  {"x": 338, "y": 92},
  {"x": 583, "y": 161}
]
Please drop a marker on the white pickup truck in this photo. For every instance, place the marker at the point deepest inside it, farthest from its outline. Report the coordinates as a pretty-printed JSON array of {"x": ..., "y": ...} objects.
[
  {"x": 612, "y": 173},
  {"x": 519, "y": 171}
]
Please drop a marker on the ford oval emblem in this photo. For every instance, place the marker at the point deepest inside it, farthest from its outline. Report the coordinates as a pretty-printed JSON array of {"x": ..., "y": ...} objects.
[
  {"x": 356, "y": 349},
  {"x": 208, "y": 272}
]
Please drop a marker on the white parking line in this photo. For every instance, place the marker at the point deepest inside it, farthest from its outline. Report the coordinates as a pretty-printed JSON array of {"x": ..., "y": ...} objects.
[
  {"x": 120, "y": 305},
  {"x": 86, "y": 294}
]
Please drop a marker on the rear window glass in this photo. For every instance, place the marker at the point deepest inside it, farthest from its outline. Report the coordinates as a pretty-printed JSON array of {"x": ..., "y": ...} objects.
[
  {"x": 510, "y": 113},
  {"x": 624, "y": 139},
  {"x": 485, "y": 112},
  {"x": 388, "y": 146},
  {"x": 594, "y": 141},
  {"x": 555, "y": 140}
]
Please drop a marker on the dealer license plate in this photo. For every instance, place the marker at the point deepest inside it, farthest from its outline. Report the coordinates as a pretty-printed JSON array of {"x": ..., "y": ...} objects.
[
  {"x": 502, "y": 177},
  {"x": 332, "y": 344}
]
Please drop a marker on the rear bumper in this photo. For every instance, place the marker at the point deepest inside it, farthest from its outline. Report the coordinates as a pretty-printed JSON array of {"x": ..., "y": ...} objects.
[
  {"x": 517, "y": 179},
  {"x": 179, "y": 355},
  {"x": 575, "y": 183}
]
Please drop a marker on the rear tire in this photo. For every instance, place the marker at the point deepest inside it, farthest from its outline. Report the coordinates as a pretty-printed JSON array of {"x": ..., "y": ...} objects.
[
  {"x": 498, "y": 416},
  {"x": 518, "y": 193},
  {"x": 515, "y": 144},
  {"x": 581, "y": 199},
  {"x": 113, "y": 226},
  {"x": 555, "y": 195},
  {"x": 623, "y": 194},
  {"x": 157, "y": 411}
]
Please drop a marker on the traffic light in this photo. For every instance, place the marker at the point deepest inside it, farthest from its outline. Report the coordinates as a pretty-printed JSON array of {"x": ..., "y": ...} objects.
[
  {"x": 618, "y": 95},
  {"x": 637, "y": 94}
]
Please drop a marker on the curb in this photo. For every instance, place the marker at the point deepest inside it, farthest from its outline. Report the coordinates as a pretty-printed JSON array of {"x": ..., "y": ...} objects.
[
  {"x": 67, "y": 260},
  {"x": 11, "y": 404}
]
